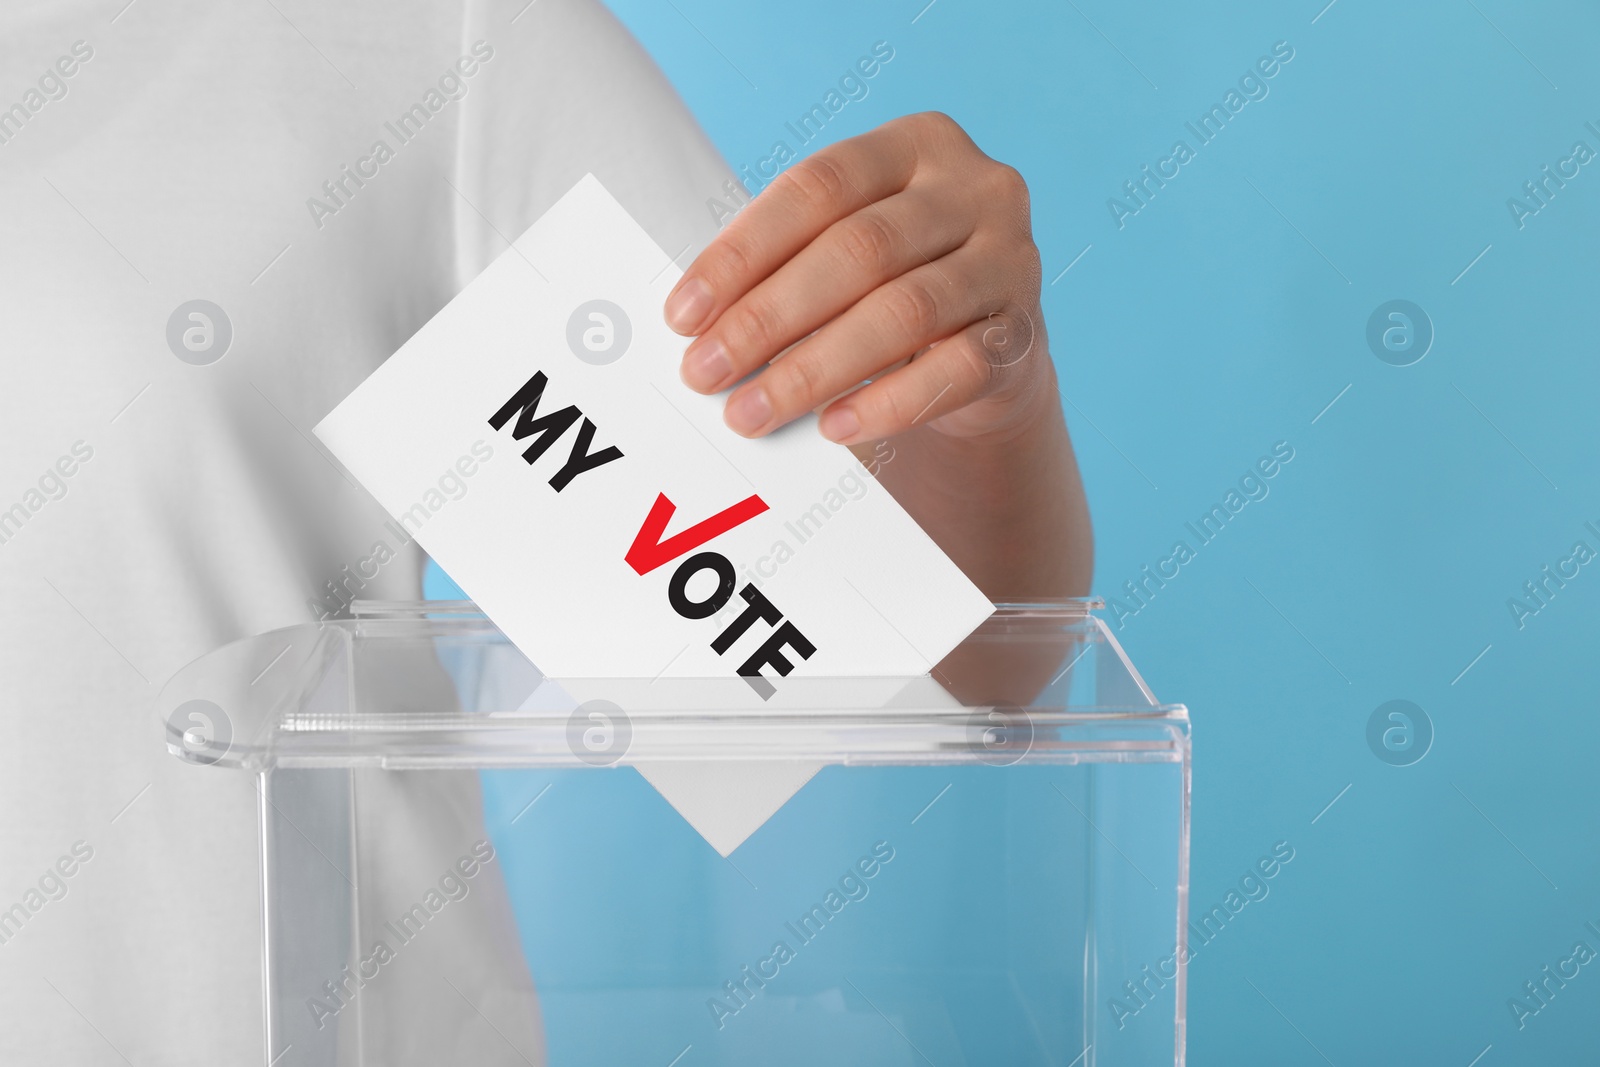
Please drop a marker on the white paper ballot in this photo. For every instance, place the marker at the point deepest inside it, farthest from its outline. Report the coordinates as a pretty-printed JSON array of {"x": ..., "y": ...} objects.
[{"x": 535, "y": 438}]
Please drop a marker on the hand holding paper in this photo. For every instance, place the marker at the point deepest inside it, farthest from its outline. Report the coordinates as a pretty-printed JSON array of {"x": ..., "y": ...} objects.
[
  {"x": 897, "y": 273},
  {"x": 621, "y": 530}
]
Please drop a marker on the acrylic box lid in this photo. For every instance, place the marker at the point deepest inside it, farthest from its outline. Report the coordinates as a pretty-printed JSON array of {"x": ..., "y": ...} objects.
[{"x": 436, "y": 684}]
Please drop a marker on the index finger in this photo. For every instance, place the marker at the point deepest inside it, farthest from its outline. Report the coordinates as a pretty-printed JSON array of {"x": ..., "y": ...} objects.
[{"x": 800, "y": 203}]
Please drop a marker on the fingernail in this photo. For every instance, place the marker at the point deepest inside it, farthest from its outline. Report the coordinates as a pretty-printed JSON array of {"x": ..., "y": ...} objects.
[
  {"x": 706, "y": 365},
  {"x": 840, "y": 424},
  {"x": 688, "y": 305},
  {"x": 748, "y": 411}
]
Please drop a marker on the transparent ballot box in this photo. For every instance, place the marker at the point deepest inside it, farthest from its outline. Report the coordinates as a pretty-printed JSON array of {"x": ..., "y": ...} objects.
[{"x": 466, "y": 862}]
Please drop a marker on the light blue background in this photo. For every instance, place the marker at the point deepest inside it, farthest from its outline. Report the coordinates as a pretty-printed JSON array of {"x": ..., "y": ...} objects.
[{"x": 1224, "y": 318}]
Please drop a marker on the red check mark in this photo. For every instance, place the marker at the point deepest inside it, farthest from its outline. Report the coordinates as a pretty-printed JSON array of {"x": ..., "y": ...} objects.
[{"x": 649, "y": 551}]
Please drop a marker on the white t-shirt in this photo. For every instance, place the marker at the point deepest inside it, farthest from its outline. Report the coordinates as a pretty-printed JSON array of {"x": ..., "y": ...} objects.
[{"x": 152, "y": 508}]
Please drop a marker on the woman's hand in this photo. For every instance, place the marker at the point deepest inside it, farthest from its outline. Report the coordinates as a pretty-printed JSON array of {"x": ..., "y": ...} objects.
[
  {"x": 903, "y": 259},
  {"x": 903, "y": 243}
]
